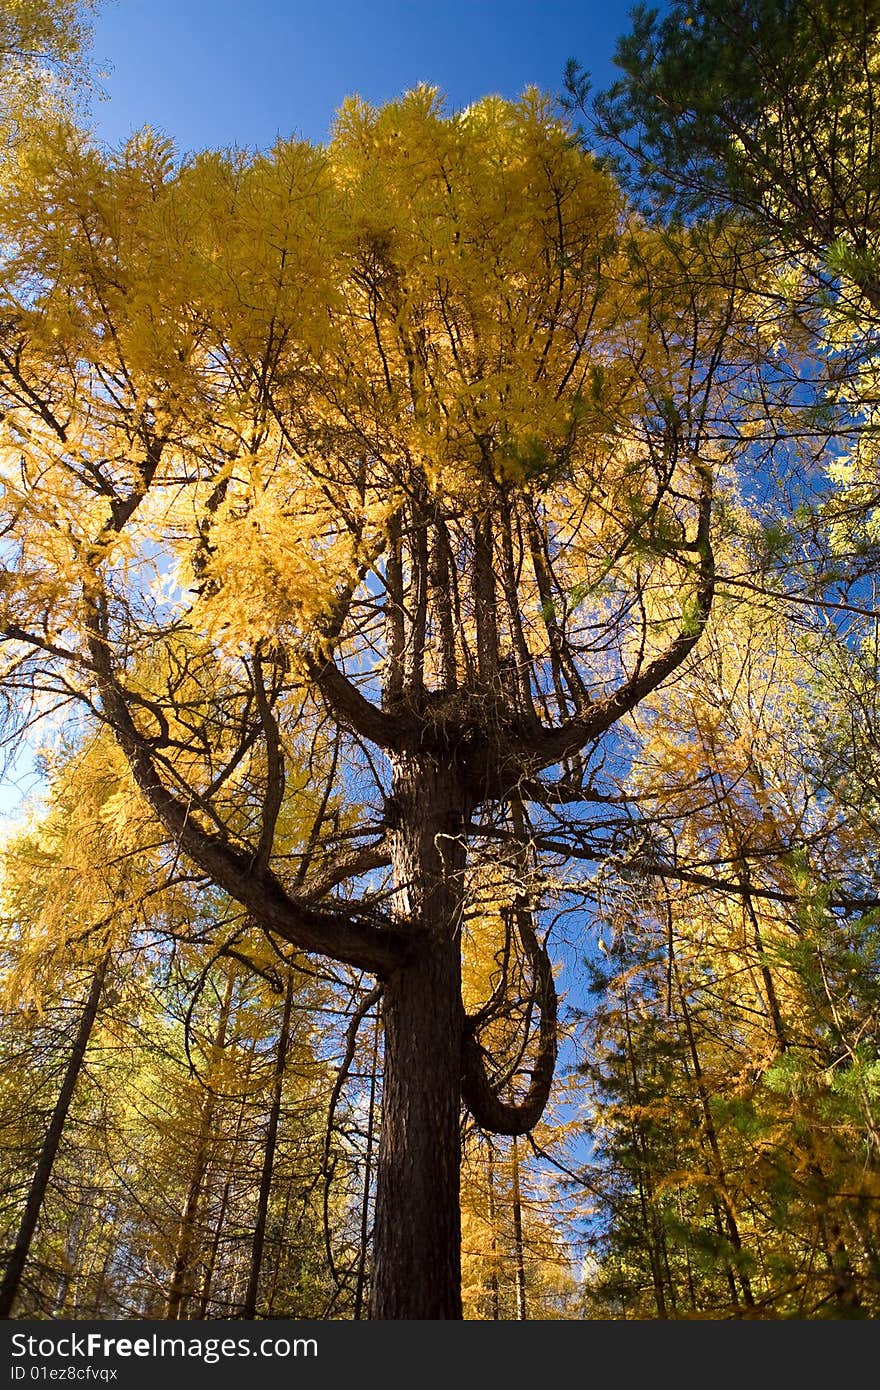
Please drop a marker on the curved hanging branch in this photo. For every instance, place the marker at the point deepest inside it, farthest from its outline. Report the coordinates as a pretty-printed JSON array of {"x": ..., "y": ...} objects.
[{"x": 479, "y": 1094}]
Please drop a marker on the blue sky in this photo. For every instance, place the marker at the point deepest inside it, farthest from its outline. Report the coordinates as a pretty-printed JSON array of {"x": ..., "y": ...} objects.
[{"x": 226, "y": 73}]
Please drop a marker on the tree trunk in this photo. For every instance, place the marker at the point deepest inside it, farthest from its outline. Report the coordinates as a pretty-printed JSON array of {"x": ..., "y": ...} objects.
[
  {"x": 201, "y": 1311},
  {"x": 183, "y": 1249},
  {"x": 654, "y": 1237},
  {"x": 494, "y": 1303},
  {"x": 368, "y": 1180},
  {"x": 518, "y": 1250},
  {"x": 418, "y": 1223},
  {"x": 186, "y": 1231},
  {"x": 249, "y": 1310},
  {"x": 722, "y": 1186},
  {"x": 46, "y": 1161}
]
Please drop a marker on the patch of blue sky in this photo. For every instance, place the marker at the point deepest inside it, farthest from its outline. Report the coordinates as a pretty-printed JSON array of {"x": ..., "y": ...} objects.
[{"x": 211, "y": 73}]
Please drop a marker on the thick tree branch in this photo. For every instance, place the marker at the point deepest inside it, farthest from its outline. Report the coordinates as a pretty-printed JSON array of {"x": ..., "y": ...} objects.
[
  {"x": 367, "y": 944},
  {"x": 354, "y": 710},
  {"x": 359, "y": 861}
]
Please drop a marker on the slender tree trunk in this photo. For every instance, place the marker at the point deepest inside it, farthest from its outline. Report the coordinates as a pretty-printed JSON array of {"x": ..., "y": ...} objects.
[
  {"x": 250, "y": 1301},
  {"x": 368, "y": 1180},
  {"x": 770, "y": 994},
  {"x": 830, "y": 1233},
  {"x": 211, "y": 1263},
  {"x": 186, "y": 1227},
  {"x": 282, "y": 1238},
  {"x": 518, "y": 1251},
  {"x": 649, "y": 1225},
  {"x": 720, "y": 1174},
  {"x": 418, "y": 1222},
  {"x": 493, "y": 1277},
  {"x": 688, "y": 1266},
  {"x": 201, "y": 1310},
  {"x": 45, "y": 1163},
  {"x": 652, "y": 1227},
  {"x": 183, "y": 1251}
]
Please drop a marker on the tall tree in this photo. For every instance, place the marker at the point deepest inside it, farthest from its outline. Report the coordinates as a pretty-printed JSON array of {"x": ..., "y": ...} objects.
[{"x": 412, "y": 440}]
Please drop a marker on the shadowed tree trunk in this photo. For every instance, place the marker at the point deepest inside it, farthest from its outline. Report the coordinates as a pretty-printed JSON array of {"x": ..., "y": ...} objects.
[
  {"x": 418, "y": 1224},
  {"x": 186, "y": 1231},
  {"x": 45, "y": 1163},
  {"x": 494, "y": 1302},
  {"x": 518, "y": 1249},
  {"x": 249, "y": 1309},
  {"x": 360, "y": 1286}
]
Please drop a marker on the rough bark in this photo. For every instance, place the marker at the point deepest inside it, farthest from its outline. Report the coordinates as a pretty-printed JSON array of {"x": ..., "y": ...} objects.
[{"x": 418, "y": 1224}]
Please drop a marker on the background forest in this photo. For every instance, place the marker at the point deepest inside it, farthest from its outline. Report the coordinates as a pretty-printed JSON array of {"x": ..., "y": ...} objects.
[{"x": 439, "y": 586}]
